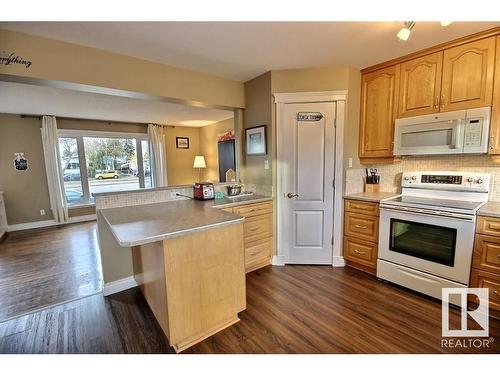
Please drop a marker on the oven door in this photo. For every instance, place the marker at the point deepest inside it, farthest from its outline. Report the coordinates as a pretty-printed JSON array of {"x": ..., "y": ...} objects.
[{"x": 436, "y": 244}]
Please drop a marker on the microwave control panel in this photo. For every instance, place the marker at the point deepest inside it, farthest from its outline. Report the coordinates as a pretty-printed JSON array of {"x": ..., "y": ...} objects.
[{"x": 473, "y": 133}]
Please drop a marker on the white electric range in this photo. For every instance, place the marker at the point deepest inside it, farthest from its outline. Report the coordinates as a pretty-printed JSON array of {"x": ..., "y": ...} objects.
[{"x": 426, "y": 236}]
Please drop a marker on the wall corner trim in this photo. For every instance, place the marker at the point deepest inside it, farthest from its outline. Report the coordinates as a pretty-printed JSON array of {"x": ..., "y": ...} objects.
[
  {"x": 119, "y": 285},
  {"x": 277, "y": 260},
  {"x": 338, "y": 261}
]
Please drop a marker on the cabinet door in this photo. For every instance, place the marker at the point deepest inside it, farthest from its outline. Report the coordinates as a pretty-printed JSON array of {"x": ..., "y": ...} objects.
[
  {"x": 495, "y": 109},
  {"x": 420, "y": 86},
  {"x": 379, "y": 92},
  {"x": 468, "y": 75}
]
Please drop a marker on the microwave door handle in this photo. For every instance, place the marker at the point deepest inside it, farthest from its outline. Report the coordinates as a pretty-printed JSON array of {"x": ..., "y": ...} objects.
[{"x": 458, "y": 135}]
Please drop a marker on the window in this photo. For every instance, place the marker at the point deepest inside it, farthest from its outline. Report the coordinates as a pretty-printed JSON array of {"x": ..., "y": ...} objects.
[
  {"x": 68, "y": 151},
  {"x": 98, "y": 162}
]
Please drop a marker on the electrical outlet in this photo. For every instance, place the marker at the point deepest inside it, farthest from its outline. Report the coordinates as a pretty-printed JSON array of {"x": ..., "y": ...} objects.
[
  {"x": 42, "y": 212},
  {"x": 173, "y": 194},
  {"x": 266, "y": 164},
  {"x": 350, "y": 162}
]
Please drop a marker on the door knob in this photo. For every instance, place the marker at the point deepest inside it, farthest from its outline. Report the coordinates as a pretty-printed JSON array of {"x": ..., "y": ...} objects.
[{"x": 291, "y": 195}]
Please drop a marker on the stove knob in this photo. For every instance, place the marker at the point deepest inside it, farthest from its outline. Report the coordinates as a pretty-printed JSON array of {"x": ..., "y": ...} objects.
[
  {"x": 407, "y": 178},
  {"x": 479, "y": 180},
  {"x": 470, "y": 179},
  {"x": 414, "y": 178}
]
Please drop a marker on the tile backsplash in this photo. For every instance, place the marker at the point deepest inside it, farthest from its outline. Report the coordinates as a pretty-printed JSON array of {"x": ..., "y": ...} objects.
[{"x": 390, "y": 175}]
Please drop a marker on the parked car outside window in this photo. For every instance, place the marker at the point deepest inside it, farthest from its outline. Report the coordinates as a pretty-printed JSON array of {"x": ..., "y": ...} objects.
[
  {"x": 71, "y": 175},
  {"x": 107, "y": 174}
]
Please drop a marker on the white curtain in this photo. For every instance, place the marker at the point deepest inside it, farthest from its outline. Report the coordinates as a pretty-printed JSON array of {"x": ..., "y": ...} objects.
[
  {"x": 53, "y": 168},
  {"x": 158, "y": 156}
]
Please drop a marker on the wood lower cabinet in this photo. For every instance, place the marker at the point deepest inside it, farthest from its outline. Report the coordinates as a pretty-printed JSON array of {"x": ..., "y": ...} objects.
[
  {"x": 486, "y": 260},
  {"x": 420, "y": 87},
  {"x": 468, "y": 75},
  {"x": 257, "y": 233},
  {"x": 379, "y": 96},
  {"x": 361, "y": 220}
]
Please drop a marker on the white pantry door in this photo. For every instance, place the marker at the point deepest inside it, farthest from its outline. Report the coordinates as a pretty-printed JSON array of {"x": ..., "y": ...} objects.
[{"x": 307, "y": 186}]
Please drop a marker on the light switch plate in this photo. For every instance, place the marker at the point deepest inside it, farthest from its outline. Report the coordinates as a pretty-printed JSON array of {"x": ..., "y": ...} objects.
[{"x": 266, "y": 164}]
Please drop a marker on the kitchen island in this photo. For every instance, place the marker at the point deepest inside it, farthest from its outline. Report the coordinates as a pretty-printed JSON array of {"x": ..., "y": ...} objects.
[{"x": 188, "y": 259}]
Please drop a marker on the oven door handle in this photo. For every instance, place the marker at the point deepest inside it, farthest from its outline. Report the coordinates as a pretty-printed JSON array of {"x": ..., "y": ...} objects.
[{"x": 424, "y": 212}]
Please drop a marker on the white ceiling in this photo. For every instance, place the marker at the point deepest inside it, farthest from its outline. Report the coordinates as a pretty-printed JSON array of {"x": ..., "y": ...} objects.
[
  {"x": 29, "y": 99},
  {"x": 243, "y": 50}
]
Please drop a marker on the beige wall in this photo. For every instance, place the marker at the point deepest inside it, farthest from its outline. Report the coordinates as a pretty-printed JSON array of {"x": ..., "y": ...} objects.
[
  {"x": 208, "y": 147},
  {"x": 180, "y": 169},
  {"x": 26, "y": 192},
  {"x": 56, "y": 60},
  {"x": 258, "y": 111}
]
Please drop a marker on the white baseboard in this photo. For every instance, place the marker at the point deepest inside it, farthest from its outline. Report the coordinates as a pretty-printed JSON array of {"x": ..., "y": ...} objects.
[
  {"x": 32, "y": 225},
  {"x": 119, "y": 285},
  {"x": 338, "y": 261},
  {"x": 49, "y": 223},
  {"x": 277, "y": 260}
]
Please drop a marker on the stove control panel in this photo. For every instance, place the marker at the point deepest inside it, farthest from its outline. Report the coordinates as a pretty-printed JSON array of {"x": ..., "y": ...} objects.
[
  {"x": 465, "y": 181},
  {"x": 439, "y": 179}
]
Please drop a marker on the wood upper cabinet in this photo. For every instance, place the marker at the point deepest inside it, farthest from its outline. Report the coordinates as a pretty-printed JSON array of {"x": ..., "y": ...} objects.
[
  {"x": 420, "y": 86},
  {"x": 379, "y": 94},
  {"x": 468, "y": 75},
  {"x": 495, "y": 108}
]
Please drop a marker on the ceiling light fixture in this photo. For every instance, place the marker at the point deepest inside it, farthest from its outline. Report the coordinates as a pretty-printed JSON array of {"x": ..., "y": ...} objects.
[
  {"x": 404, "y": 33},
  {"x": 445, "y": 23}
]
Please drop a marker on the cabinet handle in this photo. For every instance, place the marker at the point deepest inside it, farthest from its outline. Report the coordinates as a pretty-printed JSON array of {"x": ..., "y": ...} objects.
[
  {"x": 359, "y": 252},
  {"x": 442, "y": 103},
  {"x": 356, "y": 206},
  {"x": 492, "y": 142},
  {"x": 436, "y": 102},
  {"x": 254, "y": 229},
  {"x": 494, "y": 226},
  {"x": 498, "y": 256},
  {"x": 361, "y": 226},
  {"x": 496, "y": 292}
]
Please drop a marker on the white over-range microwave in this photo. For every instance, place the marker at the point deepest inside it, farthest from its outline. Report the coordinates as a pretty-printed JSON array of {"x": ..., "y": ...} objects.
[{"x": 456, "y": 132}]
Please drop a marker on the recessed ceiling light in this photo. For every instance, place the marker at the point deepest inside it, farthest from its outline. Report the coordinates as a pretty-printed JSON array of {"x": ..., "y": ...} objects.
[
  {"x": 405, "y": 32},
  {"x": 445, "y": 23}
]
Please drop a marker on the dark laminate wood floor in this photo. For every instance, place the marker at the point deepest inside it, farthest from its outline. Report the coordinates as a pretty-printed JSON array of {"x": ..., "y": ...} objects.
[
  {"x": 48, "y": 266},
  {"x": 292, "y": 309}
]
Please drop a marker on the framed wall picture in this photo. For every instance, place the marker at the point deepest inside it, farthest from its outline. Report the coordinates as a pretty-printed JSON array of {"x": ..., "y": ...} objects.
[
  {"x": 182, "y": 142},
  {"x": 256, "y": 140}
]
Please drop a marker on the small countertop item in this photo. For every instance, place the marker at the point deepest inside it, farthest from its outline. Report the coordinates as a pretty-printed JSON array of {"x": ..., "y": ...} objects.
[
  {"x": 371, "y": 196},
  {"x": 490, "y": 209}
]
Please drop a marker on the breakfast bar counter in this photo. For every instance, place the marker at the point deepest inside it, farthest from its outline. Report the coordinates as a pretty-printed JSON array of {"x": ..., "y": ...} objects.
[{"x": 188, "y": 259}]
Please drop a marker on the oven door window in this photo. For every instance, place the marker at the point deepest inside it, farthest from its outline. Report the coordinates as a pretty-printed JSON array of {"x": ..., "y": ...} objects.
[{"x": 430, "y": 242}]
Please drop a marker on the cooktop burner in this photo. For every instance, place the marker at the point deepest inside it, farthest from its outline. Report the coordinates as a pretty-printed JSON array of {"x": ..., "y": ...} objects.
[{"x": 435, "y": 203}]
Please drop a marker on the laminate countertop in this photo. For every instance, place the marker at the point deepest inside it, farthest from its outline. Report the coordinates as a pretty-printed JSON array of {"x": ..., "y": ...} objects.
[
  {"x": 490, "y": 209},
  {"x": 371, "y": 197},
  {"x": 141, "y": 224}
]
